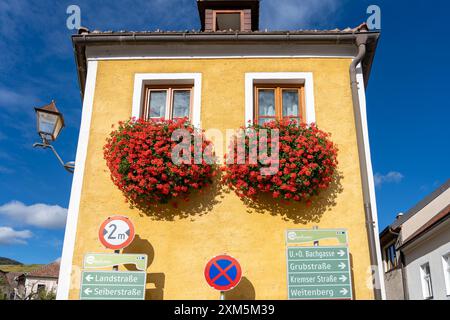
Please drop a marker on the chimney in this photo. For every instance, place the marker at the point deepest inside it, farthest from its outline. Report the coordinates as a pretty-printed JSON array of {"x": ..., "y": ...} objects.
[{"x": 229, "y": 15}]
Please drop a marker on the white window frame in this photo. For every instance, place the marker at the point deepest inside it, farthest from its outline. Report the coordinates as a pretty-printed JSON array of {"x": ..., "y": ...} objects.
[
  {"x": 446, "y": 269},
  {"x": 304, "y": 78},
  {"x": 424, "y": 281},
  {"x": 141, "y": 80}
]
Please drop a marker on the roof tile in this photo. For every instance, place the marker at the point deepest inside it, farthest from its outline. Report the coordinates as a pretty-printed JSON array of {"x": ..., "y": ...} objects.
[{"x": 50, "y": 270}]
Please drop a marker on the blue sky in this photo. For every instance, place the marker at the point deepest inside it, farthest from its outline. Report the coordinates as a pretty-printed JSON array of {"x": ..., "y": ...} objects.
[{"x": 408, "y": 94}]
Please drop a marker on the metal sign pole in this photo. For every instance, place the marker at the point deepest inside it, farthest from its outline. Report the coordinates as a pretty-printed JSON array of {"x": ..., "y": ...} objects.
[
  {"x": 116, "y": 268},
  {"x": 222, "y": 295},
  {"x": 316, "y": 243}
]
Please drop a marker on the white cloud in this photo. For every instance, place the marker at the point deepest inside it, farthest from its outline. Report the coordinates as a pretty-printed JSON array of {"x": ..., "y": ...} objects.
[
  {"x": 5, "y": 170},
  {"x": 11, "y": 236},
  {"x": 36, "y": 215},
  {"x": 296, "y": 14},
  {"x": 390, "y": 177},
  {"x": 8, "y": 97},
  {"x": 16, "y": 100}
]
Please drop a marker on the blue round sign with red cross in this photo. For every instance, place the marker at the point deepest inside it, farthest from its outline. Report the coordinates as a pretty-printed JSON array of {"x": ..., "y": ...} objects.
[{"x": 223, "y": 273}]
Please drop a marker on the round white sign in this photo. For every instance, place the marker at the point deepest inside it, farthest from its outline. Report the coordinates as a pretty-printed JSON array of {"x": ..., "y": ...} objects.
[{"x": 116, "y": 233}]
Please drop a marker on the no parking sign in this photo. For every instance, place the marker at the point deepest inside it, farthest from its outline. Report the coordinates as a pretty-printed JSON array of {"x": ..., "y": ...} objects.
[{"x": 223, "y": 273}]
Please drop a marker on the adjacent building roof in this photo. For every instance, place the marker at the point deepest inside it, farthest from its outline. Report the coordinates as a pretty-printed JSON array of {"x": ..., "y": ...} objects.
[
  {"x": 419, "y": 206},
  {"x": 395, "y": 226},
  {"x": 48, "y": 271},
  {"x": 441, "y": 217}
]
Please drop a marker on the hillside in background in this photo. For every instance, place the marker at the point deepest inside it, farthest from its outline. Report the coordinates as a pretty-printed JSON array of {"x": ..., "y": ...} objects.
[
  {"x": 20, "y": 268},
  {"x": 11, "y": 265},
  {"x": 7, "y": 261}
]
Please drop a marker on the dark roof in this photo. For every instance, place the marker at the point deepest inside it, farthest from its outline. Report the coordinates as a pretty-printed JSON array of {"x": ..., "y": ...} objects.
[
  {"x": 336, "y": 36},
  {"x": 360, "y": 28},
  {"x": 48, "y": 271},
  {"x": 387, "y": 237}
]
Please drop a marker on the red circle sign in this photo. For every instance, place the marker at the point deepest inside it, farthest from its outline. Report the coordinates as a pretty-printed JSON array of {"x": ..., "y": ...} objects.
[
  {"x": 116, "y": 232},
  {"x": 223, "y": 273}
]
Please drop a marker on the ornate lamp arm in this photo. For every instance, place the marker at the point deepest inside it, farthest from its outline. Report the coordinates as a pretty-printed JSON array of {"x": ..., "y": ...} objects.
[{"x": 69, "y": 166}]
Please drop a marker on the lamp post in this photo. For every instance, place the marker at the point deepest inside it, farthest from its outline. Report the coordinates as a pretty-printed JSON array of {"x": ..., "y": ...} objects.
[{"x": 49, "y": 125}]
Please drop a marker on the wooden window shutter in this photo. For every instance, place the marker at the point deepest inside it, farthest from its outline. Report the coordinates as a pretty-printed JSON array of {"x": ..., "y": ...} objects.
[
  {"x": 209, "y": 20},
  {"x": 247, "y": 20}
]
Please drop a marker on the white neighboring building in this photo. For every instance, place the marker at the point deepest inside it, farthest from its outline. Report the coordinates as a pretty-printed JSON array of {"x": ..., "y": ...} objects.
[
  {"x": 44, "y": 278},
  {"x": 416, "y": 250}
]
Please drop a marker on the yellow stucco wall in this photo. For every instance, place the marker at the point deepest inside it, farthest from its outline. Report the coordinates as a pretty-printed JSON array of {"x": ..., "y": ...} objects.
[{"x": 180, "y": 244}]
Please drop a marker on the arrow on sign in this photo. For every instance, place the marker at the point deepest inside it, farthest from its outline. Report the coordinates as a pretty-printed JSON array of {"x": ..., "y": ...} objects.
[
  {"x": 343, "y": 278},
  {"x": 344, "y": 291},
  {"x": 341, "y": 253},
  {"x": 342, "y": 266},
  {"x": 89, "y": 278},
  {"x": 88, "y": 291}
]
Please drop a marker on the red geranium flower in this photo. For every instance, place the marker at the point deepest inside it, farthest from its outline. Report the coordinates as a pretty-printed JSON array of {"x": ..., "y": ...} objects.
[
  {"x": 306, "y": 164},
  {"x": 139, "y": 156}
]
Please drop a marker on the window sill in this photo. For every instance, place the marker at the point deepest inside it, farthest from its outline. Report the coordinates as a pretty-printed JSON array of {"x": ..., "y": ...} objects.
[{"x": 391, "y": 270}]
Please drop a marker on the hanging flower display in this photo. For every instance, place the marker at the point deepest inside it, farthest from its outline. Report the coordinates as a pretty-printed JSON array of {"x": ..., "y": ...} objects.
[
  {"x": 282, "y": 158},
  {"x": 155, "y": 161}
]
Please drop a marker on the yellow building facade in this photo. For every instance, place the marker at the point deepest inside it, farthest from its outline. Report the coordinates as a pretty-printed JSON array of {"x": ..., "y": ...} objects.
[{"x": 222, "y": 71}]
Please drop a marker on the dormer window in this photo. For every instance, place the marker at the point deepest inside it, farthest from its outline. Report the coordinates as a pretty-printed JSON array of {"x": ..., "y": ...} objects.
[
  {"x": 229, "y": 15},
  {"x": 226, "y": 20}
]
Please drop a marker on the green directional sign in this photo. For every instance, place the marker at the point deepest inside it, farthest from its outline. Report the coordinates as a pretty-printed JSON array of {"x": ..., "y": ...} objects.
[
  {"x": 104, "y": 260},
  {"x": 112, "y": 285},
  {"x": 311, "y": 235},
  {"x": 317, "y": 266},
  {"x": 318, "y": 279},
  {"x": 319, "y": 273},
  {"x": 320, "y": 293},
  {"x": 317, "y": 253}
]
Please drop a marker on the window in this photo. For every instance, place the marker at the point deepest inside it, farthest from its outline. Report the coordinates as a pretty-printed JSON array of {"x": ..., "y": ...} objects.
[
  {"x": 427, "y": 287},
  {"x": 276, "y": 102},
  {"x": 40, "y": 288},
  {"x": 167, "y": 102},
  {"x": 446, "y": 265},
  {"x": 225, "y": 20},
  {"x": 391, "y": 257},
  {"x": 169, "y": 98},
  {"x": 304, "y": 81}
]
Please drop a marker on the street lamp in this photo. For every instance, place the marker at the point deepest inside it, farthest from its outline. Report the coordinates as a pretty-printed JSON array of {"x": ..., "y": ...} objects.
[
  {"x": 49, "y": 122},
  {"x": 49, "y": 125}
]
